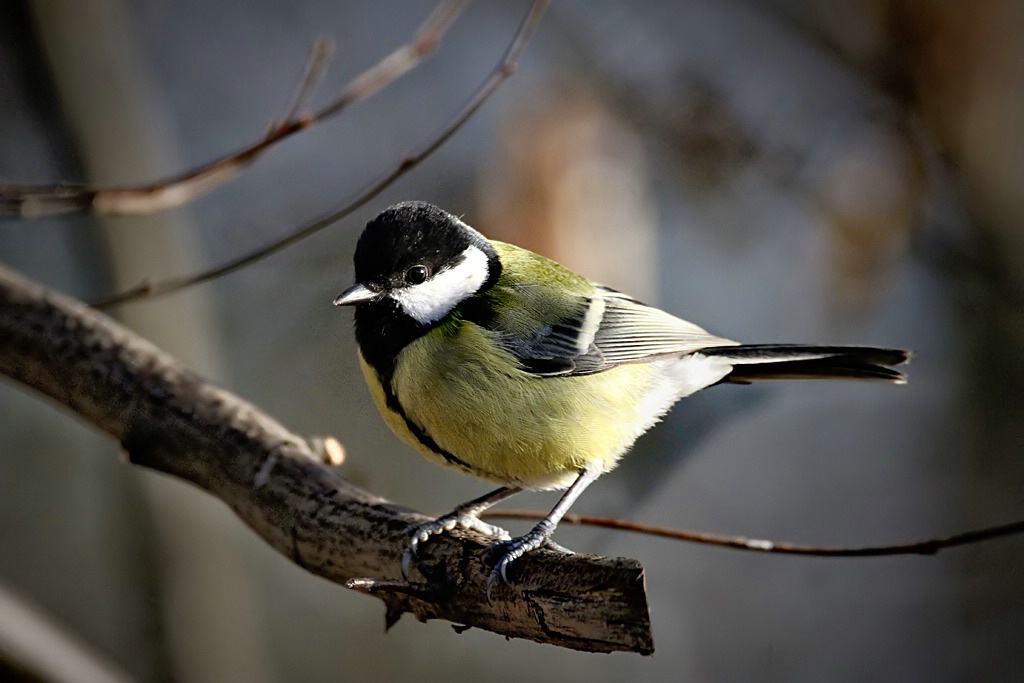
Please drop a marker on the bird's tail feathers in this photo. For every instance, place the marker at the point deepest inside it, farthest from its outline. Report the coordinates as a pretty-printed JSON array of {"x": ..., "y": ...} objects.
[{"x": 756, "y": 362}]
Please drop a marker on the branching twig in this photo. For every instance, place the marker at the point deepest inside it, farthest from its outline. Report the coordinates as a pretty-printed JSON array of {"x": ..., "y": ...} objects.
[
  {"x": 927, "y": 547},
  {"x": 171, "y": 420},
  {"x": 316, "y": 67},
  {"x": 502, "y": 72},
  {"x": 33, "y": 201}
]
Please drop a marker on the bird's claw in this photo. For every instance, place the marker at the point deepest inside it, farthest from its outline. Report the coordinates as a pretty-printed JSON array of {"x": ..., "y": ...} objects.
[
  {"x": 558, "y": 547},
  {"x": 514, "y": 548},
  {"x": 407, "y": 556}
]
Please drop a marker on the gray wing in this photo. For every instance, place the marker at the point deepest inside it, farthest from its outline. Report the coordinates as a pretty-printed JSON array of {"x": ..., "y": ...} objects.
[{"x": 608, "y": 330}]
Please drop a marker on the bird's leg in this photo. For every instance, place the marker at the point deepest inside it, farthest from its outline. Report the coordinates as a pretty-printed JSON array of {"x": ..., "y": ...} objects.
[
  {"x": 466, "y": 516},
  {"x": 540, "y": 535}
]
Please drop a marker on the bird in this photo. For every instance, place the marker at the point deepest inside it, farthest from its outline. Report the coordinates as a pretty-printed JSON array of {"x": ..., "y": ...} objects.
[{"x": 505, "y": 365}]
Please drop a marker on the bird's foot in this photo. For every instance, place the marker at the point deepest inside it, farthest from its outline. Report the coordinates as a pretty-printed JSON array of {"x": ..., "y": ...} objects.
[
  {"x": 514, "y": 548},
  {"x": 420, "y": 533}
]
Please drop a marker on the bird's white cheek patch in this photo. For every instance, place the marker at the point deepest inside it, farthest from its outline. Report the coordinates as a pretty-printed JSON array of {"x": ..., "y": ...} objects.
[{"x": 432, "y": 300}]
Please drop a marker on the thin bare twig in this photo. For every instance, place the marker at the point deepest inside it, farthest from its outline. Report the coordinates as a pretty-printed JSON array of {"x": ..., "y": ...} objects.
[
  {"x": 504, "y": 70},
  {"x": 316, "y": 67},
  {"x": 926, "y": 547},
  {"x": 33, "y": 201}
]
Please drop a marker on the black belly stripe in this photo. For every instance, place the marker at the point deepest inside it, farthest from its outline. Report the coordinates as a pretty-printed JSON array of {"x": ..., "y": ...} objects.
[{"x": 421, "y": 434}]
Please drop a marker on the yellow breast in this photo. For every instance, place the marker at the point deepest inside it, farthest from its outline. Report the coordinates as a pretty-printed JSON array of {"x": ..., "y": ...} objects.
[{"x": 480, "y": 413}]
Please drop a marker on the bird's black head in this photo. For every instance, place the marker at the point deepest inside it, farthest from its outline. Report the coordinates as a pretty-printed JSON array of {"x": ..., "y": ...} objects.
[
  {"x": 415, "y": 263},
  {"x": 413, "y": 234}
]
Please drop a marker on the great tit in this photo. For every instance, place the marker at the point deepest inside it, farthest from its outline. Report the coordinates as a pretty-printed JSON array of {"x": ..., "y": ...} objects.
[{"x": 503, "y": 364}]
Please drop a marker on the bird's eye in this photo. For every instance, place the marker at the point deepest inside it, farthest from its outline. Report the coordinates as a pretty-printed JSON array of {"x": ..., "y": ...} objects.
[{"x": 416, "y": 275}]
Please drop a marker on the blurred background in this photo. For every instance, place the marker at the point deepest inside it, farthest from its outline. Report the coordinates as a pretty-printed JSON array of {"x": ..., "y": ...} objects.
[{"x": 775, "y": 170}]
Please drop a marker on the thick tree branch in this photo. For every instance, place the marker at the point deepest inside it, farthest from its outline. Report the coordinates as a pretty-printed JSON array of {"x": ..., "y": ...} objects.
[{"x": 173, "y": 421}]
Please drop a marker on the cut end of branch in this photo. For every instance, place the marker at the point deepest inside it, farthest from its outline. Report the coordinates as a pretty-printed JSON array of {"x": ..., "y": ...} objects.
[{"x": 553, "y": 595}]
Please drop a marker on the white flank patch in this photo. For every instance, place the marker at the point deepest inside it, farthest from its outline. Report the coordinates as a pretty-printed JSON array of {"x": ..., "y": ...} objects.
[
  {"x": 679, "y": 377},
  {"x": 432, "y": 300}
]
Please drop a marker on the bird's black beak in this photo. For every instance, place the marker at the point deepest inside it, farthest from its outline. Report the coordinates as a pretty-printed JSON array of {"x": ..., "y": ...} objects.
[{"x": 356, "y": 294}]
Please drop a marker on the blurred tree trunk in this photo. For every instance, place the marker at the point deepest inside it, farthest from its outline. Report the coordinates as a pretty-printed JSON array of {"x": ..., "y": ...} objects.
[{"x": 121, "y": 134}]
